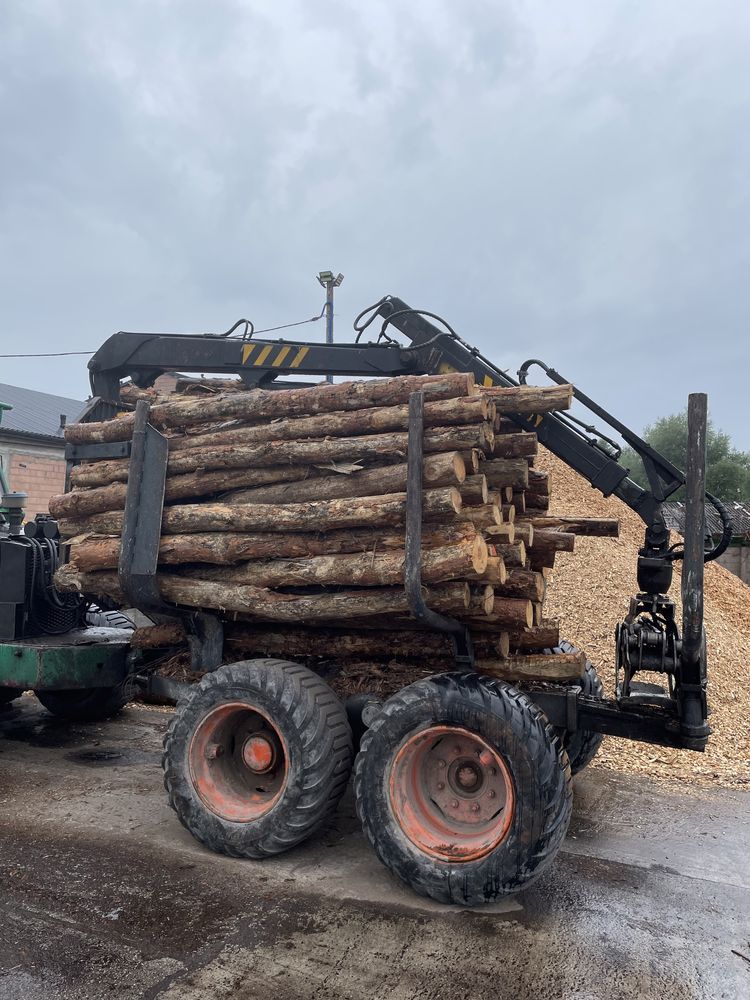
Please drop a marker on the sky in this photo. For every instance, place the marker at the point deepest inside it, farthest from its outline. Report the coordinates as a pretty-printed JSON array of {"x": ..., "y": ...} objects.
[{"x": 563, "y": 181}]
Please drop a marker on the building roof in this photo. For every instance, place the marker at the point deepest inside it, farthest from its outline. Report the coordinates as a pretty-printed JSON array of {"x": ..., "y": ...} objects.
[
  {"x": 739, "y": 511},
  {"x": 36, "y": 414}
]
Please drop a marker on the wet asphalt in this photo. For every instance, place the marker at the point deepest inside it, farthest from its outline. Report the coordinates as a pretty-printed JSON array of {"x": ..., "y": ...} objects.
[{"x": 104, "y": 893}]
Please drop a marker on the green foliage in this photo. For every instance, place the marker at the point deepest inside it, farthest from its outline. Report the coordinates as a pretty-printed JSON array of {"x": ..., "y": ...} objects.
[{"x": 727, "y": 470}]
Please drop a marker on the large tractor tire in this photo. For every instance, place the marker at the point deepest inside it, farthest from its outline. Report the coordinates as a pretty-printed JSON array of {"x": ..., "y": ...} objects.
[
  {"x": 463, "y": 788},
  {"x": 257, "y": 756},
  {"x": 86, "y": 704},
  {"x": 582, "y": 745}
]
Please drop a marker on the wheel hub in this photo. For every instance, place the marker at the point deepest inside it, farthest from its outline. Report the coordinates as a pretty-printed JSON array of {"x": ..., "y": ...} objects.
[
  {"x": 238, "y": 762},
  {"x": 452, "y": 793}
]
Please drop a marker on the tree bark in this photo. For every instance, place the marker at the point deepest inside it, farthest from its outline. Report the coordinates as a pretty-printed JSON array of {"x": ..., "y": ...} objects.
[
  {"x": 437, "y": 470},
  {"x": 363, "y": 569},
  {"x": 261, "y": 404},
  {"x": 546, "y": 545},
  {"x": 376, "y": 420},
  {"x": 513, "y": 555},
  {"x": 500, "y": 533},
  {"x": 507, "y": 612},
  {"x": 483, "y": 515},
  {"x": 555, "y": 667},
  {"x": 599, "y": 527},
  {"x": 265, "y": 605},
  {"x": 525, "y": 532},
  {"x": 501, "y": 472},
  {"x": 156, "y": 636},
  {"x": 530, "y": 398},
  {"x": 544, "y": 636},
  {"x": 523, "y": 583},
  {"x": 474, "y": 489},
  {"x": 314, "y": 451},
  {"x": 482, "y": 599},
  {"x": 520, "y": 445},
  {"x": 494, "y": 572}
]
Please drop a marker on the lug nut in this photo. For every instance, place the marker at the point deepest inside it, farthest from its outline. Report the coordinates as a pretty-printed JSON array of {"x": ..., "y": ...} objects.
[
  {"x": 475, "y": 807},
  {"x": 485, "y": 758},
  {"x": 441, "y": 785},
  {"x": 441, "y": 762},
  {"x": 491, "y": 793},
  {"x": 454, "y": 803}
]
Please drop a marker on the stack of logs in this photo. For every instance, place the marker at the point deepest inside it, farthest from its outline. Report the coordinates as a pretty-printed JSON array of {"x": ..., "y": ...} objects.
[{"x": 287, "y": 508}]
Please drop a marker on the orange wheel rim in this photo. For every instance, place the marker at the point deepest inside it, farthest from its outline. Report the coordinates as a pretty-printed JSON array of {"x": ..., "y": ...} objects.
[
  {"x": 238, "y": 762},
  {"x": 451, "y": 793}
]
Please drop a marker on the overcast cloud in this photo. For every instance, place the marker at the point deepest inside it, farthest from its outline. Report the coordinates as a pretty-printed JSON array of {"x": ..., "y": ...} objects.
[{"x": 568, "y": 181}]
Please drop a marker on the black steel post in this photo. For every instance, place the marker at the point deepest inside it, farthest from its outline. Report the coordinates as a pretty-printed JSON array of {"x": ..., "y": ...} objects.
[{"x": 691, "y": 687}]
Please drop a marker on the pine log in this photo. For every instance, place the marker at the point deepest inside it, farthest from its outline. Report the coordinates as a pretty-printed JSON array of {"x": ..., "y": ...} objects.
[
  {"x": 494, "y": 572},
  {"x": 499, "y": 533},
  {"x": 437, "y": 470},
  {"x": 321, "y": 515},
  {"x": 501, "y": 472},
  {"x": 507, "y": 612},
  {"x": 483, "y": 515},
  {"x": 546, "y": 545},
  {"x": 518, "y": 499},
  {"x": 156, "y": 636},
  {"x": 553, "y": 668},
  {"x": 513, "y": 555},
  {"x": 525, "y": 532},
  {"x": 363, "y": 569},
  {"x": 474, "y": 489},
  {"x": 508, "y": 511},
  {"x": 536, "y": 503},
  {"x": 599, "y": 527},
  {"x": 314, "y": 451},
  {"x": 261, "y": 404},
  {"x": 531, "y": 398},
  {"x": 523, "y": 583},
  {"x": 226, "y": 549},
  {"x": 517, "y": 445},
  {"x": 377, "y": 420},
  {"x": 473, "y": 459},
  {"x": 482, "y": 599},
  {"x": 537, "y": 612},
  {"x": 274, "y": 484},
  {"x": 544, "y": 636},
  {"x": 266, "y": 605},
  {"x": 334, "y": 644},
  {"x": 539, "y": 482}
]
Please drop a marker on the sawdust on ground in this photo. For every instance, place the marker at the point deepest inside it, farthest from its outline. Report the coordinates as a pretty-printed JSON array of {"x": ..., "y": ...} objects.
[{"x": 589, "y": 591}]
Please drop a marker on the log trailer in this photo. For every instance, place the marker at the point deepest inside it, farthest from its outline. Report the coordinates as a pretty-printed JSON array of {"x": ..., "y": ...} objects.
[{"x": 259, "y": 752}]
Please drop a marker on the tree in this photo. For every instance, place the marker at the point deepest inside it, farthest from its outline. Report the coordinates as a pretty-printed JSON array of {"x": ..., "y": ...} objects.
[{"x": 727, "y": 470}]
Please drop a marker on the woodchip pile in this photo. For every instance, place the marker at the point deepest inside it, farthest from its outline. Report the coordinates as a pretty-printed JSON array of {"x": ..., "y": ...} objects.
[{"x": 285, "y": 511}]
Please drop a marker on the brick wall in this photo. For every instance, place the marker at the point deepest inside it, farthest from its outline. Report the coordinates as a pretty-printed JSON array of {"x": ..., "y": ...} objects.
[{"x": 38, "y": 471}]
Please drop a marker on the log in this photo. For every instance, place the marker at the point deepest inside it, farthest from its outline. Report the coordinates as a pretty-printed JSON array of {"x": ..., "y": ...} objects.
[
  {"x": 507, "y": 612},
  {"x": 377, "y": 420},
  {"x": 437, "y": 470},
  {"x": 512, "y": 554},
  {"x": 599, "y": 527},
  {"x": 535, "y": 502},
  {"x": 523, "y": 583},
  {"x": 334, "y": 644},
  {"x": 517, "y": 445},
  {"x": 509, "y": 512},
  {"x": 315, "y": 451},
  {"x": 481, "y": 600},
  {"x": 473, "y": 458},
  {"x": 500, "y": 533},
  {"x": 266, "y": 605},
  {"x": 518, "y": 499},
  {"x": 262, "y": 404},
  {"x": 501, "y": 472},
  {"x": 539, "y": 482},
  {"x": 494, "y": 572},
  {"x": 474, "y": 489},
  {"x": 483, "y": 515},
  {"x": 530, "y": 398},
  {"x": 553, "y": 668},
  {"x": 274, "y": 484},
  {"x": 361, "y": 569},
  {"x": 525, "y": 532},
  {"x": 321, "y": 515},
  {"x": 156, "y": 636},
  {"x": 222, "y": 548},
  {"x": 544, "y": 636},
  {"x": 546, "y": 545}
]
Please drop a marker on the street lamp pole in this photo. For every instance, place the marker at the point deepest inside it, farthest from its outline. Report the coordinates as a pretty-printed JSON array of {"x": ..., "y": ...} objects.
[{"x": 329, "y": 282}]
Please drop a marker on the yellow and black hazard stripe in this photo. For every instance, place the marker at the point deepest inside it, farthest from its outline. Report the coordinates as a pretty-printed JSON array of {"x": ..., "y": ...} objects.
[{"x": 260, "y": 354}]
